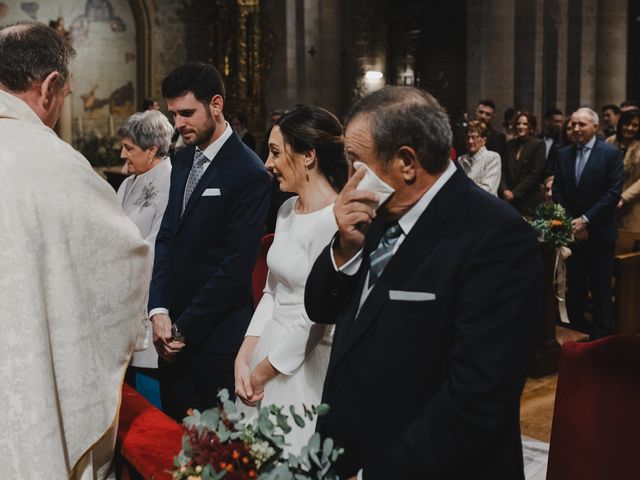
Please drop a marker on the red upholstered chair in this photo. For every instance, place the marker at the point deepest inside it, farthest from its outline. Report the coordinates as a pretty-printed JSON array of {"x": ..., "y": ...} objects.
[
  {"x": 261, "y": 269},
  {"x": 595, "y": 433},
  {"x": 147, "y": 439}
]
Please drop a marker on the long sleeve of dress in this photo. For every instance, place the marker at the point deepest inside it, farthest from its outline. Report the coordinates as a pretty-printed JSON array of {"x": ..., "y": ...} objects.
[{"x": 264, "y": 310}]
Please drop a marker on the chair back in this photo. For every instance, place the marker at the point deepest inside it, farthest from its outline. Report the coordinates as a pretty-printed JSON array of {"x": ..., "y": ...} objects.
[
  {"x": 596, "y": 420},
  {"x": 261, "y": 269}
]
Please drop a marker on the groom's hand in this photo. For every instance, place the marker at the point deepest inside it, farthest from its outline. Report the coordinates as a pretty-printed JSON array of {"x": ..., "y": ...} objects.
[{"x": 353, "y": 216}]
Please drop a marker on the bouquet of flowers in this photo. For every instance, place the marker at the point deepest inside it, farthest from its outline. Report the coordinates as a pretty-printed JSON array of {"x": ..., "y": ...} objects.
[
  {"x": 552, "y": 224},
  {"x": 218, "y": 444}
]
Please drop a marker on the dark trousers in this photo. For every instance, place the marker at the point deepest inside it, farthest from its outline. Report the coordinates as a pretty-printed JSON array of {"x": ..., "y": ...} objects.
[
  {"x": 589, "y": 268},
  {"x": 193, "y": 381}
]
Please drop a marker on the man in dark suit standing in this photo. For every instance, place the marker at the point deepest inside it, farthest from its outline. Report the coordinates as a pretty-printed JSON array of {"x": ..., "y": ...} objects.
[
  {"x": 200, "y": 298},
  {"x": 496, "y": 141},
  {"x": 436, "y": 295},
  {"x": 588, "y": 183},
  {"x": 551, "y": 135}
]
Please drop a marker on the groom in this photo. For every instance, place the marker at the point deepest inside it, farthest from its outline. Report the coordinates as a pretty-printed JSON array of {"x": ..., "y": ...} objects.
[{"x": 435, "y": 298}]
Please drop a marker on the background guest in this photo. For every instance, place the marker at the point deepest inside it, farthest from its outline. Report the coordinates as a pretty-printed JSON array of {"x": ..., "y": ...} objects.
[
  {"x": 496, "y": 141},
  {"x": 523, "y": 166},
  {"x": 240, "y": 124},
  {"x": 627, "y": 139},
  {"x": 149, "y": 104},
  {"x": 628, "y": 105},
  {"x": 551, "y": 135},
  {"x": 610, "y": 117},
  {"x": 146, "y": 138},
  {"x": 567, "y": 133},
  {"x": 481, "y": 165},
  {"x": 588, "y": 183},
  {"x": 284, "y": 357},
  {"x": 507, "y": 124}
]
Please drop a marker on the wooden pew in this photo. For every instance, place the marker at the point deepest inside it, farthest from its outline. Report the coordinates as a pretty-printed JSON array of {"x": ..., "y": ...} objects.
[{"x": 626, "y": 283}]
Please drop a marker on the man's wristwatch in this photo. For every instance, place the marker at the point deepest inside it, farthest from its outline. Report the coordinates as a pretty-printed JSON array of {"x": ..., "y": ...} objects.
[{"x": 176, "y": 335}]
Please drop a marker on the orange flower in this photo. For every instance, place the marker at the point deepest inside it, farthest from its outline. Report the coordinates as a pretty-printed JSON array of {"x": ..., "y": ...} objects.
[
  {"x": 556, "y": 223},
  {"x": 229, "y": 467},
  {"x": 252, "y": 474},
  {"x": 223, "y": 465},
  {"x": 245, "y": 460},
  {"x": 235, "y": 454}
]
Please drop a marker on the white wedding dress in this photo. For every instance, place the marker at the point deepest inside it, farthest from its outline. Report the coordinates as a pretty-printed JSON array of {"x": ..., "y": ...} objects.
[{"x": 296, "y": 347}]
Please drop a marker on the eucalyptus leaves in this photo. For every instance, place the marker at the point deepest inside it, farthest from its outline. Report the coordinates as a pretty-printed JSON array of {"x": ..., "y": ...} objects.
[
  {"x": 552, "y": 225},
  {"x": 218, "y": 444}
]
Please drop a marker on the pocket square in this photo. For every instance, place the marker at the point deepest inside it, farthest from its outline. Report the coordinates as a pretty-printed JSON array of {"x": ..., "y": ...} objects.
[
  {"x": 411, "y": 296},
  {"x": 211, "y": 192}
]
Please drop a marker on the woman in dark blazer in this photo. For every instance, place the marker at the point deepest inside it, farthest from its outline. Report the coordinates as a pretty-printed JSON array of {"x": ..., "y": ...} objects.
[{"x": 523, "y": 167}]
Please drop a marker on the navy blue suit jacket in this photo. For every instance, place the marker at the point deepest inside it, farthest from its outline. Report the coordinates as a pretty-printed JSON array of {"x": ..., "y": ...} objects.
[
  {"x": 458, "y": 359},
  {"x": 598, "y": 191},
  {"x": 204, "y": 258}
]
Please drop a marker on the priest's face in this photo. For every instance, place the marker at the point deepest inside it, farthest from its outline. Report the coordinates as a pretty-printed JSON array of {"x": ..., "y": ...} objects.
[{"x": 193, "y": 119}]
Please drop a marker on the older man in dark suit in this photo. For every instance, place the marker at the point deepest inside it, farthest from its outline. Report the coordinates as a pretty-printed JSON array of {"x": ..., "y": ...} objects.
[
  {"x": 200, "y": 299},
  {"x": 435, "y": 297},
  {"x": 588, "y": 183}
]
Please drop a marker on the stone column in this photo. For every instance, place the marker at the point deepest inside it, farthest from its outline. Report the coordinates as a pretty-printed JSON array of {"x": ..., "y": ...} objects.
[
  {"x": 588, "y": 53},
  {"x": 490, "y": 42},
  {"x": 611, "y": 57},
  {"x": 528, "y": 56}
]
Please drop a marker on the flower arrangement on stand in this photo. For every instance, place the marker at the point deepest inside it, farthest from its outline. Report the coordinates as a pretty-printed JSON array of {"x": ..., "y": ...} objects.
[
  {"x": 554, "y": 229},
  {"x": 552, "y": 225},
  {"x": 218, "y": 444}
]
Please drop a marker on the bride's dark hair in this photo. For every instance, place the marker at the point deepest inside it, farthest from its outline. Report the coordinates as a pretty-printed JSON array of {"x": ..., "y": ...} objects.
[{"x": 308, "y": 128}]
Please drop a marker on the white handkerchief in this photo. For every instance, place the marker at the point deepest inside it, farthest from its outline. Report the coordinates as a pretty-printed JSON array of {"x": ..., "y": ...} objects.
[
  {"x": 211, "y": 192},
  {"x": 411, "y": 296},
  {"x": 372, "y": 183}
]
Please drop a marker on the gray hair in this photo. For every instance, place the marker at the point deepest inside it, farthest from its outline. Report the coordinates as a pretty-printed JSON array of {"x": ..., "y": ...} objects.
[
  {"x": 407, "y": 116},
  {"x": 594, "y": 116},
  {"x": 148, "y": 129},
  {"x": 29, "y": 51}
]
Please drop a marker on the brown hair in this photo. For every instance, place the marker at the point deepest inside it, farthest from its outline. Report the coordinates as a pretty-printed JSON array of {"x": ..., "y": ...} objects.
[{"x": 479, "y": 127}]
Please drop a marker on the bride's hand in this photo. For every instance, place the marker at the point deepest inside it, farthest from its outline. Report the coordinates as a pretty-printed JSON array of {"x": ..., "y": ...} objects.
[
  {"x": 263, "y": 372},
  {"x": 242, "y": 374}
]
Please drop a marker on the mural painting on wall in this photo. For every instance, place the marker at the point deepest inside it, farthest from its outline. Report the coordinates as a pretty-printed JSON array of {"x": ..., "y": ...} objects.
[{"x": 104, "y": 69}]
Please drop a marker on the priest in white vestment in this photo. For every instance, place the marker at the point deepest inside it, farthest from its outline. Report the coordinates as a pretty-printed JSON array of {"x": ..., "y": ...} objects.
[{"x": 74, "y": 273}]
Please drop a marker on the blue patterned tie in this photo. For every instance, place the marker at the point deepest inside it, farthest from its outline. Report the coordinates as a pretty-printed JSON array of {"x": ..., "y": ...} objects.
[
  {"x": 581, "y": 157},
  {"x": 379, "y": 258},
  {"x": 197, "y": 169}
]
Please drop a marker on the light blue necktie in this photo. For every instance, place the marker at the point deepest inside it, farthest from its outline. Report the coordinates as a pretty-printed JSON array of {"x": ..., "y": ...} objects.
[
  {"x": 197, "y": 170},
  {"x": 379, "y": 258},
  {"x": 581, "y": 160}
]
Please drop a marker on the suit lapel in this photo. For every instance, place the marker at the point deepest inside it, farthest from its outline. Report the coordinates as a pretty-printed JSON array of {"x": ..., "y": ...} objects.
[
  {"x": 218, "y": 164},
  {"x": 425, "y": 235}
]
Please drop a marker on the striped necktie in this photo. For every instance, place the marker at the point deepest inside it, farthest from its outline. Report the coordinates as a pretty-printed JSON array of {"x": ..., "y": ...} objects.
[{"x": 379, "y": 258}]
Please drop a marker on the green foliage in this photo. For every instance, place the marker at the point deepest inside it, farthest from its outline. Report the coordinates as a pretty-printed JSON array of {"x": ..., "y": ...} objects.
[
  {"x": 263, "y": 439},
  {"x": 552, "y": 224},
  {"x": 100, "y": 151}
]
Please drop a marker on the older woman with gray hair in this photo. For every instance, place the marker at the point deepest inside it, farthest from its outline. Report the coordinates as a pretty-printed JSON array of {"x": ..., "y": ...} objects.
[{"x": 146, "y": 137}]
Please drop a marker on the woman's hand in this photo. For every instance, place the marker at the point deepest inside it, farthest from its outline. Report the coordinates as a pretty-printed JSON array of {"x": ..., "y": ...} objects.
[
  {"x": 242, "y": 374},
  {"x": 263, "y": 373}
]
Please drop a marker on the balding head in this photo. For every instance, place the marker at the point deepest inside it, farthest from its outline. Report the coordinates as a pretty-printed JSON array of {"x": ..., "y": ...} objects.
[
  {"x": 406, "y": 116},
  {"x": 29, "y": 52}
]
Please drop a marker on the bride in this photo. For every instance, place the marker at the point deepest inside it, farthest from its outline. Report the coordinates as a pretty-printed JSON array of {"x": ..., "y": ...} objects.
[{"x": 284, "y": 357}]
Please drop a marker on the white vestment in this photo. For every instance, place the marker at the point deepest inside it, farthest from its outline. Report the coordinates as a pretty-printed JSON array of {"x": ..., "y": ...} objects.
[{"x": 74, "y": 277}]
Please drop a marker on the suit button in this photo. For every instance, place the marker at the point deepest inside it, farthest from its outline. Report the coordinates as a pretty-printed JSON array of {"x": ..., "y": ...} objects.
[{"x": 333, "y": 293}]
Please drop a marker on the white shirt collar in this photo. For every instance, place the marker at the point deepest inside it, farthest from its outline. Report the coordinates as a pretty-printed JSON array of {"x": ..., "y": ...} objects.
[
  {"x": 409, "y": 219},
  {"x": 590, "y": 143},
  {"x": 212, "y": 150}
]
